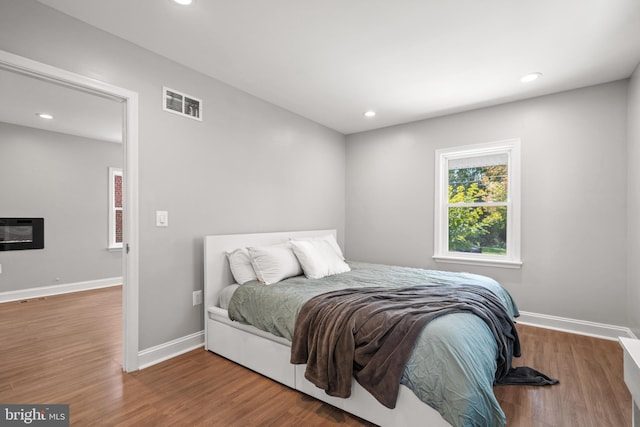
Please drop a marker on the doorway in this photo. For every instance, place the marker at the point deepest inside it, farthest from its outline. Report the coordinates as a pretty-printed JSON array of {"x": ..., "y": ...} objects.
[{"x": 129, "y": 100}]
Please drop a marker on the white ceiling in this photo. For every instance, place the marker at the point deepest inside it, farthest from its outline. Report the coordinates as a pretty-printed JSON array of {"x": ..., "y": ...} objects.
[
  {"x": 75, "y": 112},
  {"x": 331, "y": 60}
]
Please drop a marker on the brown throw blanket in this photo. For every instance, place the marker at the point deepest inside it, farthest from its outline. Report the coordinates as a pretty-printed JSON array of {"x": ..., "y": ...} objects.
[{"x": 368, "y": 333}]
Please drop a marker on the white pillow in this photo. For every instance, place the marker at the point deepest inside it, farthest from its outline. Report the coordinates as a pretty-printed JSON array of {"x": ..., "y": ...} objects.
[
  {"x": 319, "y": 258},
  {"x": 330, "y": 238},
  {"x": 334, "y": 244},
  {"x": 241, "y": 267},
  {"x": 274, "y": 263}
]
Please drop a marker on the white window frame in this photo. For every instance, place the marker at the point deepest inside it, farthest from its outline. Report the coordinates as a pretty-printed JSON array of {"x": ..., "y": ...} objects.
[
  {"x": 441, "y": 253},
  {"x": 113, "y": 245}
]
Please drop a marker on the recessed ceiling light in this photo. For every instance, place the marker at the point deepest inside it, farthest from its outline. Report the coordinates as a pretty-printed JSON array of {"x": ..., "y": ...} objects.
[
  {"x": 530, "y": 77},
  {"x": 183, "y": 2},
  {"x": 44, "y": 116},
  {"x": 370, "y": 113}
]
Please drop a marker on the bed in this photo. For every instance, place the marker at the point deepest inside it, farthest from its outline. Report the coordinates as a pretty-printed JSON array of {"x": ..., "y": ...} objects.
[{"x": 266, "y": 349}]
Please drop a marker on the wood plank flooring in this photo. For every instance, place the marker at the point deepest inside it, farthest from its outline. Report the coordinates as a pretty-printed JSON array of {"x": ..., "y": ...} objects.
[{"x": 66, "y": 349}]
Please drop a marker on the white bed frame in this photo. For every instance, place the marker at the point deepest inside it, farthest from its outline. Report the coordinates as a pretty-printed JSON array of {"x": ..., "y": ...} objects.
[{"x": 269, "y": 355}]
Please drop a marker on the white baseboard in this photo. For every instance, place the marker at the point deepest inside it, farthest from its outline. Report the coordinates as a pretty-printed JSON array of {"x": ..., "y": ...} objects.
[
  {"x": 154, "y": 355},
  {"x": 45, "y": 291},
  {"x": 580, "y": 327},
  {"x": 159, "y": 353}
]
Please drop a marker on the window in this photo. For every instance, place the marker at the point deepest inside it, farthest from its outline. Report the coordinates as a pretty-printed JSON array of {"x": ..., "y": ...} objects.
[
  {"x": 115, "y": 208},
  {"x": 477, "y": 204}
]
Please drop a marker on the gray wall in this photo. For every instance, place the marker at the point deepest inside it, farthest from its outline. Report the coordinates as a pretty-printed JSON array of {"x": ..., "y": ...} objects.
[
  {"x": 249, "y": 166},
  {"x": 573, "y": 197},
  {"x": 633, "y": 229},
  {"x": 64, "y": 179}
]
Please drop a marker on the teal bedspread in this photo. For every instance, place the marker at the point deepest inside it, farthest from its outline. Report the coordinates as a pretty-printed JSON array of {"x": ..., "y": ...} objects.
[{"x": 453, "y": 363}]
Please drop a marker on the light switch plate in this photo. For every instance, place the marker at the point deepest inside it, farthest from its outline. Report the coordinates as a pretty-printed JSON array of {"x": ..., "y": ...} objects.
[{"x": 162, "y": 218}]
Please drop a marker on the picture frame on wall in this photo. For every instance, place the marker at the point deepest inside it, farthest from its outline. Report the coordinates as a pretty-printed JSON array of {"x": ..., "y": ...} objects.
[{"x": 180, "y": 103}]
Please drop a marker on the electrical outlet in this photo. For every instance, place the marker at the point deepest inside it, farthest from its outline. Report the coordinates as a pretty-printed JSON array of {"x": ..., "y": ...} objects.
[{"x": 197, "y": 297}]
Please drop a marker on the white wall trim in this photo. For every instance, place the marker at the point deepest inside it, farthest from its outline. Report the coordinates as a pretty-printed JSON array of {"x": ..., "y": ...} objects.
[
  {"x": 442, "y": 253},
  {"x": 574, "y": 326},
  {"x": 159, "y": 353},
  {"x": 130, "y": 260},
  {"x": 46, "y": 291},
  {"x": 162, "y": 352}
]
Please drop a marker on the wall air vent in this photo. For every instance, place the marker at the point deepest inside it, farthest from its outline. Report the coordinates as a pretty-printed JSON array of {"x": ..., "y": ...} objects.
[{"x": 181, "y": 103}]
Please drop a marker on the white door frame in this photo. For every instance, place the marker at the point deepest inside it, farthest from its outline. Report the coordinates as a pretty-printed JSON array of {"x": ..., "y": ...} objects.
[{"x": 130, "y": 252}]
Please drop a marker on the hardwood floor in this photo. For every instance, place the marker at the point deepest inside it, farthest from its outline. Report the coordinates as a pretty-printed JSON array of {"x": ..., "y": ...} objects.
[
  {"x": 66, "y": 349},
  {"x": 591, "y": 392}
]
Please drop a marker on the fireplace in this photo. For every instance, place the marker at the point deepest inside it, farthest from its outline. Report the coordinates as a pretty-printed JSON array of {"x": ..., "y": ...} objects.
[{"x": 21, "y": 233}]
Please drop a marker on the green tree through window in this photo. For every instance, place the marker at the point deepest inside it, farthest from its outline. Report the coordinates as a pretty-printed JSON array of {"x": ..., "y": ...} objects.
[{"x": 478, "y": 228}]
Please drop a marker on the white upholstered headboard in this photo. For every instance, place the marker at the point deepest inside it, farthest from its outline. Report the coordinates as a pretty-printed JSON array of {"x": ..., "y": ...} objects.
[{"x": 217, "y": 274}]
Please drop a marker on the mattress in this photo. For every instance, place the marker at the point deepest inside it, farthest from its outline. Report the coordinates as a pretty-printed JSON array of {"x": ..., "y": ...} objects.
[{"x": 453, "y": 363}]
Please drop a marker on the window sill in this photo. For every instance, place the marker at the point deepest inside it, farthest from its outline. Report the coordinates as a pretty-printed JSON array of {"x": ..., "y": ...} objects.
[
  {"x": 114, "y": 249},
  {"x": 475, "y": 261}
]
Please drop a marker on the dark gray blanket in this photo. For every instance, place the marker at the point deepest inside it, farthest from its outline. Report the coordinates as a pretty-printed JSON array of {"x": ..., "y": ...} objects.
[
  {"x": 524, "y": 375},
  {"x": 369, "y": 333}
]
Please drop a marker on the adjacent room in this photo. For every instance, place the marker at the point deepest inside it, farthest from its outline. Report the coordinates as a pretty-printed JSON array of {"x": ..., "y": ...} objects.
[{"x": 209, "y": 169}]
